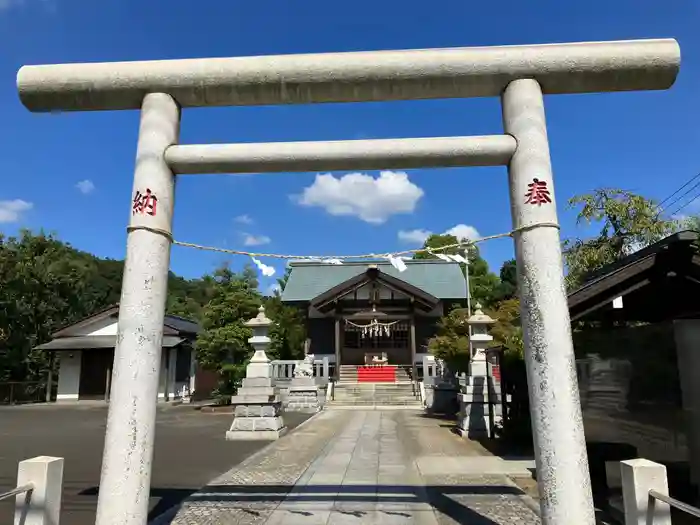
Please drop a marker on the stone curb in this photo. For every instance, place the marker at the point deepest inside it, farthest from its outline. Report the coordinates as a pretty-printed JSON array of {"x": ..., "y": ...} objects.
[
  {"x": 220, "y": 409},
  {"x": 527, "y": 499},
  {"x": 417, "y": 408}
]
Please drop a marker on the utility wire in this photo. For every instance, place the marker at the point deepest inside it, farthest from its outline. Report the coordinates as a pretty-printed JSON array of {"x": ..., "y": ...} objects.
[
  {"x": 682, "y": 207},
  {"x": 675, "y": 201},
  {"x": 679, "y": 189},
  {"x": 670, "y": 201}
]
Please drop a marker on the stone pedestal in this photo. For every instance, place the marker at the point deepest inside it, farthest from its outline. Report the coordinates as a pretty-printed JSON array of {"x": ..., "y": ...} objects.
[
  {"x": 303, "y": 396},
  {"x": 440, "y": 396},
  {"x": 477, "y": 407},
  {"x": 257, "y": 411},
  {"x": 477, "y": 365}
]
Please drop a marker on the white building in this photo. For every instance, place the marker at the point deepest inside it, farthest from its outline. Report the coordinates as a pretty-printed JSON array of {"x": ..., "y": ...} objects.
[{"x": 85, "y": 354}]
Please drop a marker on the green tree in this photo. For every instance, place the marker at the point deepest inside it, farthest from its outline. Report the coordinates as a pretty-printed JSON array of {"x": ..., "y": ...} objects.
[
  {"x": 224, "y": 338},
  {"x": 690, "y": 223},
  {"x": 482, "y": 282},
  {"x": 44, "y": 285},
  {"x": 627, "y": 222},
  {"x": 507, "y": 288},
  {"x": 451, "y": 343},
  {"x": 289, "y": 331},
  {"x": 223, "y": 346},
  {"x": 437, "y": 241},
  {"x": 187, "y": 298},
  {"x": 507, "y": 331}
]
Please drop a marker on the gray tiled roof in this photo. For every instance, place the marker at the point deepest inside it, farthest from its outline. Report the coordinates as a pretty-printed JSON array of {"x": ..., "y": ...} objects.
[
  {"x": 181, "y": 324},
  {"x": 441, "y": 279},
  {"x": 93, "y": 342}
]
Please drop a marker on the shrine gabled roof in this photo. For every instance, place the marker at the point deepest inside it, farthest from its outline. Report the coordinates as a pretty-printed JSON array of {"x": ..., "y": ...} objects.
[
  {"x": 440, "y": 279},
  {"x": 172, "y": 324},
  {"x": 656, "y": 283}
]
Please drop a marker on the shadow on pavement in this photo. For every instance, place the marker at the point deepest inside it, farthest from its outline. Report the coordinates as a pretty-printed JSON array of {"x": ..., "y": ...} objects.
[
  {"x": 168, "y": 498},
  {"x": 357, "y": 500}
]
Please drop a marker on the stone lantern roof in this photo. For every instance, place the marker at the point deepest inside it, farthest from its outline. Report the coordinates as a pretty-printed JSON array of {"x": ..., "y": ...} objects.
[
  {"x": 479, "y": 317},
  {"x": 260, "y": 320}
]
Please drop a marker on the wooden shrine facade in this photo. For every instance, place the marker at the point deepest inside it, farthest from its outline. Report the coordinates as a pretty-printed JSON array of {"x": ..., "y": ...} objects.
[{"x": 373, "y": 312}]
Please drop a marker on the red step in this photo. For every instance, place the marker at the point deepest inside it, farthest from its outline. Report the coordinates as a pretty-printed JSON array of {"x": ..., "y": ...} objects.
[{"x": 376, "y": 374}]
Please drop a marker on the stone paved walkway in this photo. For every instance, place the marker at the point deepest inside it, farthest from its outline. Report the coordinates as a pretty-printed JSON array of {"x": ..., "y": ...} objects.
[{"x": 361, "y": 467}]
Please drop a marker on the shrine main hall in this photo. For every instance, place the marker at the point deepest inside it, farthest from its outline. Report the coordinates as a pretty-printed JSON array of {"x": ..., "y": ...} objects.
[{"x": 359, "y": 313}]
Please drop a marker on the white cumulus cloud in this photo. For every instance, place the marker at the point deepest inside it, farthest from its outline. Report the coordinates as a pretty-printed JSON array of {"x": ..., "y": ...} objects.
[
  {"x": 85, "y": 186},
  {"x": 255, "y": 240},
  {"x": 244, "y": 219},
  {"x": 463, "y": 231},
  {"x": 11, "y": 211},
  {"x": 373, "y": 200},
  {"x": 417, "y": 236}
]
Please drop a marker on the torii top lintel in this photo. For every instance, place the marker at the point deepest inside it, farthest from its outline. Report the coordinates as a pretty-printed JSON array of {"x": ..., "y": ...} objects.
[{"x": 583, "y": 67}]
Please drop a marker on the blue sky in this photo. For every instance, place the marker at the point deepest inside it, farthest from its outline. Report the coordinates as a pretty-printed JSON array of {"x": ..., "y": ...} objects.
[{"x": 72, "y": 173}]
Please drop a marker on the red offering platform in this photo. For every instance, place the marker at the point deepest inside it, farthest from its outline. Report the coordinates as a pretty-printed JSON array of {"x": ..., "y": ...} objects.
[{"x": 376, "y": 374}]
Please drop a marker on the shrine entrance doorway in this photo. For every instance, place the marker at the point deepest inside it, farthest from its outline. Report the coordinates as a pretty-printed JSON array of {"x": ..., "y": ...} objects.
[{"x": 378, "y": 339}]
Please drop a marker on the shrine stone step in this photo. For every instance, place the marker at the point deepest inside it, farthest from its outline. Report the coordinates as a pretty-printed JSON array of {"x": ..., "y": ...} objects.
[
  {"x": 375, "y": 394},
  {"x": 412, "y": 403},
  {"x": 371, "y": 395},
  {"x": 370, "y": 387},
  {"x": 371, "y": 404},
  {"x": 402, "y": 375},
  {"x": 349, "y": 374}
]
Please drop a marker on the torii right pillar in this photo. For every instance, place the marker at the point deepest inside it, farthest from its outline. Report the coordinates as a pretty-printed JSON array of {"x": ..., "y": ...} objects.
[{"x": 557, "y": 424}]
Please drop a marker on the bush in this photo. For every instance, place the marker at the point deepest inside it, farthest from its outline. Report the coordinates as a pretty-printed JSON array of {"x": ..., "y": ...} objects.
[{"x": 230, "y": 378}]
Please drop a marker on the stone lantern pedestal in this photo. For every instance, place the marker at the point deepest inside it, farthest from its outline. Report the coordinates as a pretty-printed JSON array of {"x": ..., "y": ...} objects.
[
  {"x": 303, "y": 390},
  {"x": 257, "y": 403},
  {"x": 478, "y": 393}
]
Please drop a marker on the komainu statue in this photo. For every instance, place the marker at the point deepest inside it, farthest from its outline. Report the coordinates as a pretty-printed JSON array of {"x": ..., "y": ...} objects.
[{"x": 306, "y": 367}]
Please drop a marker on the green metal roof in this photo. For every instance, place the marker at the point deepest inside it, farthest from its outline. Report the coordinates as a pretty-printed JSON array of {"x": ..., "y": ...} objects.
[{"x": 441, "y": 279}]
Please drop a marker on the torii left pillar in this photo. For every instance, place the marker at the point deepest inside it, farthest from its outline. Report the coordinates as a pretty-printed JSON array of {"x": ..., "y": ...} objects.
[{"x": 128, "y": 451}]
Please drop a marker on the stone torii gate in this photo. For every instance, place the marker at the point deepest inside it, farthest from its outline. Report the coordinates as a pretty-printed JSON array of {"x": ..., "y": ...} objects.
[{"x": 520, "y": 75}]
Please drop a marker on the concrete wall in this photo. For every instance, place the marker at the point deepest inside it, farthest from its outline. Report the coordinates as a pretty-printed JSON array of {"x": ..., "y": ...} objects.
[{"x": 68, "y": 375}]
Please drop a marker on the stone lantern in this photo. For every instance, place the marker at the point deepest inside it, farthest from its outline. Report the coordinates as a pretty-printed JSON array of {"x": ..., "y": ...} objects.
[
  {"x": 478, "y": 401},
  {"x": 257, "y": 405},
  {"x": 480, "y": 339},
  {"x": 259, "y": 365}
]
